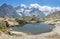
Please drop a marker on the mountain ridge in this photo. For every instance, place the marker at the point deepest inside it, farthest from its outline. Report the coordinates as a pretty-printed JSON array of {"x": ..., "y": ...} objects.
[
  {"x": 23, "y": 10},
  {"x": 8, "y": 10}
]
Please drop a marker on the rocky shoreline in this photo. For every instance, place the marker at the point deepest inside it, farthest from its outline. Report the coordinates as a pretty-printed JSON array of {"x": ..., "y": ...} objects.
[{"x": 54, "y": 34}]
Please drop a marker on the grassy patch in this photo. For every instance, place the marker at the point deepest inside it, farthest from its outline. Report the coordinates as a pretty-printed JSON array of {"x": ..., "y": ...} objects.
[
  {"x": 4, "y": 29},
  {"x": 21, "y": 25}
]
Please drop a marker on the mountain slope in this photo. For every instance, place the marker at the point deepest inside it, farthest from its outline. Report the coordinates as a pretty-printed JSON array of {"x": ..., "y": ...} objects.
[
  {"x": 8, "y": 10},
  {"x": 54, "y": 15},
  {"x": 26, "y": 11}
]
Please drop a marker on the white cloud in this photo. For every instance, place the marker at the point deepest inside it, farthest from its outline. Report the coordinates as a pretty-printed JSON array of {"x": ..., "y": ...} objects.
[
  {"x": 35, "y": 5},
  {"x": 46, "y": 9},
  {"x": 42, "y": 8},
  {"x": 49, "y": 9},
  {"x": 23, "y": 5}
]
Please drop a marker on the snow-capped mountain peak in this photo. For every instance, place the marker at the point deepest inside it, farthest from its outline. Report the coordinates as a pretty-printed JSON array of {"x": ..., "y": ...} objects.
[{"x": 36, "y": 9}]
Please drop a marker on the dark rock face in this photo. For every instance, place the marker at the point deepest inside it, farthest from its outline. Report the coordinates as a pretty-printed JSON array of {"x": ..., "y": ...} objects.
[
  {"x": 21, "y": 22},
  {"x": 5, "y": 24},
  {"x": 8, "y": 10}
]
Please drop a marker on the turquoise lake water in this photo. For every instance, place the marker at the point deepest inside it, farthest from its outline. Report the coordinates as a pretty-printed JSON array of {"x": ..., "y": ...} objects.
[{"x": 36, "y": 28}]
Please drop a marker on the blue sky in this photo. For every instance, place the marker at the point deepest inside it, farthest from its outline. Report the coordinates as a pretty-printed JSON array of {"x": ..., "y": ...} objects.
[{"x": 14, "y": 3}]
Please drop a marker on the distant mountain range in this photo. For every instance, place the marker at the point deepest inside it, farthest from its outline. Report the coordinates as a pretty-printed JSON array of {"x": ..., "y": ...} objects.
[
  {"x": 29, "y": 11},
  {"x": 23, "y": 10},
  {"x": 35, "y": 9}
]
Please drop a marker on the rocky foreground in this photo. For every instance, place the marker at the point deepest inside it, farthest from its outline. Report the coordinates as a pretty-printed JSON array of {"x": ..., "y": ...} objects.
[{"x": 54, "y": 34}]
